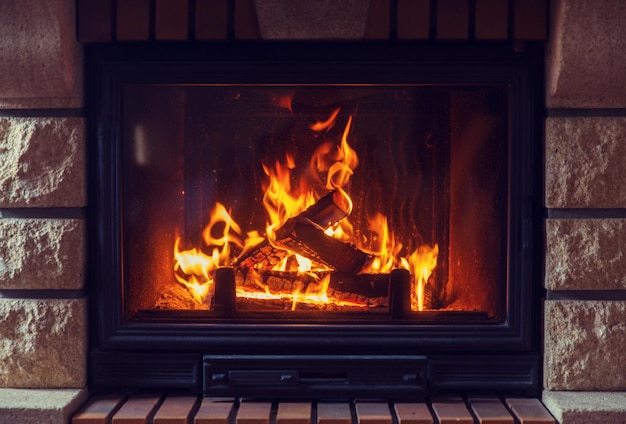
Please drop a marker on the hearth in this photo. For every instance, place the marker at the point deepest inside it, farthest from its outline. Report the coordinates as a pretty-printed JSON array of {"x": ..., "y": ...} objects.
[{"x": 315, "y": 220}]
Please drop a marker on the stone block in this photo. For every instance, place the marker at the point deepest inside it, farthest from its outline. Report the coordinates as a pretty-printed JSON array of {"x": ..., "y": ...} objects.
[
  {"x": 584, "y": 345},
  {"x": 585, "y": 254},
  {"x": 585, "y": 162},
  {"x": 42, "y": 253},
  {"x": 43, "y": 343},
  {"x": 28, "y": 406},
  {"x": 40, "y": 59},
  {"x": 308, "y": 20},
  {"x": 587, "y": 407},
  {"x": 584, "y": 66},
  {"x": 42, "y": 162}
]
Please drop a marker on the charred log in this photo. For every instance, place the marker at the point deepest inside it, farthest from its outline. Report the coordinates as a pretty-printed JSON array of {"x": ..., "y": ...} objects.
[
  {"x": 327, "y": 211},
  {"x": 303, "y": 237}
]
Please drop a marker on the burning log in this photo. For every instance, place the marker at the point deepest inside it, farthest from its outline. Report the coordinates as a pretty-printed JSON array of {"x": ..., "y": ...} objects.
[
  {"x": 304, "y": 235},
  {"x": 282, "y": 290},
  {"x": 368, "y": 285},
  {"x": 307, "y": 239}
]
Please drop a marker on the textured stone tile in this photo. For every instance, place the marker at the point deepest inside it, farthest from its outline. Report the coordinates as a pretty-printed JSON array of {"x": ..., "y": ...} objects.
[
  {"x": 584, "y": 347},
  {"x": 42, "y": 253},
  {"x": 585, "y": 254},
  {"x": 304, "y": 19},
  {"x": 584, "y": 67},
  {"x": 585, "y": 162},
  {"x": 587, "y": 407},
  {"x": 43, "y": 343},
  {"x": 40, "y": 58},
  {"x": 42, "y": 162},
  {"x": 28, "y": 406}
]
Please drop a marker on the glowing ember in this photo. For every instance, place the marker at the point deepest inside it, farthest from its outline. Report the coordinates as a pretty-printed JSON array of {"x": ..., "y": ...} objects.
[{"x": 287, "y": 196}]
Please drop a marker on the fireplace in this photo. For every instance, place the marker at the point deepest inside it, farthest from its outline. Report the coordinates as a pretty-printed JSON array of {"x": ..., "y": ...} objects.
[
  {"x": 45, "y": 334},
  {"x": 404, "y": 183}
]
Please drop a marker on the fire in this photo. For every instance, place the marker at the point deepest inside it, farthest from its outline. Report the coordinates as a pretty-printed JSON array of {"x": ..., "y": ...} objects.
[
  {"x": 199, "y": 268},
  {"x": 281, "y": 200},
  {"x": 287, "y": 197},
  {"x": 327, "y": 124},
  {"x": 421, "y": 262}
]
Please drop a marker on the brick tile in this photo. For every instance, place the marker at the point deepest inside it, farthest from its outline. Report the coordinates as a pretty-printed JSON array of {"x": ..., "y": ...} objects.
[
  {"x": 373, "y": 413},
  {"x": 413, "y": 413},
  {"x": 452, "y": 19},
  {"x": 43, "y": 162},
  {"x": 530, "y": 411},
  {"x": 584, "y": 345},
  {"x": 530, "y": 21},
  {"x": 491, "y": 19},
  {"x": 490, "y": 411},
  {"x": 133, "y": 20},
  {"x": 585, "y": 162},
  {"x": 246, "y": 22},
  {"x": 583, "y": 35},
  {"x": 94, "y": 20},
  {"x": 41, "y": 335},
  {"x": 214, "y": 411},
  {"x": 33, "y": 248},
  {"x": 175, "y": 410},
  {"x": 136, "y": 410},
  {"x": 377, "y": 25},
  {"x": 333, "y": 413},
  {"x": 171, "y": 20},
  {"x": 585, "y": 254},
  {"x": 254, "y": 413},
  {"x": 98, "y": 410},
  {"x": 211, "y": 19},
  {"x": 293, "y": 413},
  {"x": 452, "y": 411},
  {"x": 413, "y": 19}
]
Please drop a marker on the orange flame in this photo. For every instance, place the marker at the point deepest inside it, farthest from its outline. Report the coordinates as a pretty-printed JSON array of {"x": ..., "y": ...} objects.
[
  {"x": 284, "y": 101},
  {"x": 280, "y": 200},
  {"x": 327, "y": 124},
  {"x": 422, "y": 263},
  {"x": 199, "y": 268},
  {"x": 332, "y": 166}
]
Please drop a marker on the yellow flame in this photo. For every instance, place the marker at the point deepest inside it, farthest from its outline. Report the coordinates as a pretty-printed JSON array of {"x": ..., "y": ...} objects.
[
  {"x": 280, "y": 200},
  {"x": 220, "y": 215},
  {"x": 422, "y": 263},
  {"x": 346, "y": 161},
  {"x": 198, "y": 269},
  {"x": 315, "y": 294},
  {"x": 383, "y": 246}
]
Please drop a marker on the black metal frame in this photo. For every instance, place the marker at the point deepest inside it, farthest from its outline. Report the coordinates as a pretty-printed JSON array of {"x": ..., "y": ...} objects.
[{"x": 451, "y": 356}]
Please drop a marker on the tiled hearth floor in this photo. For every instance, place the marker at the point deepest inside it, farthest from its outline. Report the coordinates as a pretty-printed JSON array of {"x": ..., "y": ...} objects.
[{"x": 161, "y": 409}]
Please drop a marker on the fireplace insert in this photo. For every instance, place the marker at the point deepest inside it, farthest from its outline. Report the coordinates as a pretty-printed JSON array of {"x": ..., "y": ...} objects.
[{"x": 315, "y": 220}]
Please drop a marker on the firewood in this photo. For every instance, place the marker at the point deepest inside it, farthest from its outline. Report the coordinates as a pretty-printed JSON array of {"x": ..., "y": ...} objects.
[
  {"x": 368, "y": 285},
  {"x": 327, "y": 211},
  {"x": 303, "y": 237}
]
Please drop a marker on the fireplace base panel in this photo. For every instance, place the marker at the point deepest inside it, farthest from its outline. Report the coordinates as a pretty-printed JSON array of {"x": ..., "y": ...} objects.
[{"x": 408, "y": 377}]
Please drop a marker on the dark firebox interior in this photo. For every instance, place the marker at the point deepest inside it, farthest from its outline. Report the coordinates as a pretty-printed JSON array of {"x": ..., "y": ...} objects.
[{"x": 432, "y": 159}]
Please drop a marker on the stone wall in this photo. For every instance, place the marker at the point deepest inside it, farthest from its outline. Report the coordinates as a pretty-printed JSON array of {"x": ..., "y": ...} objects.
[
  {"x": 43, "y": 332},
  {"x": 585, "y": 197},
  {"x": 43, "y": 308}
]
